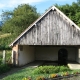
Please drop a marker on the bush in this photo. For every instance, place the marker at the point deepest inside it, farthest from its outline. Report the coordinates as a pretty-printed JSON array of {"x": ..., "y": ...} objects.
[
  {"x": 0, "y": 61},
  {"x": 0, "y": 57},
  {"x": 64, "y": 69},
  {"x": 4, "y": 68},
  {"x": 44, "y": 69},
  {"x": 50, "y": 69}
]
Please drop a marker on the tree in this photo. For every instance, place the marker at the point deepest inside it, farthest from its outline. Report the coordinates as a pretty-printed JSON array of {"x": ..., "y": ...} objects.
[
  {"x": 19, "y": 19},
  {"x": 6, "y": 15},
  {"x": 78, "y": 2},
  {"x": 16, "y": 21},
  {"x": 1, "y": 25}
]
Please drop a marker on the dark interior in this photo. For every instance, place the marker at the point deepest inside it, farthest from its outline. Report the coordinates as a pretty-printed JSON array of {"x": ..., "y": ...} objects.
[{"x": 62, "y": 57}]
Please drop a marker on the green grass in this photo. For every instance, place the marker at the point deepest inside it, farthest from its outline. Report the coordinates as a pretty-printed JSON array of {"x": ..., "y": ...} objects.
[
  {"x": 26, "y": 72},
  {"x": 20, "y": 74}
]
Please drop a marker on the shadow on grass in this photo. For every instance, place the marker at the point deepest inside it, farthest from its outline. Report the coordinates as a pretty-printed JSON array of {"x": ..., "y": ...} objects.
[{"x": 15, "y": 70}]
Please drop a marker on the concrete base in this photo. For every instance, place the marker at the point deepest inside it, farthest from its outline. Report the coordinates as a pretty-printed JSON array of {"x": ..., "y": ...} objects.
[{"x": 74, "y": 65}]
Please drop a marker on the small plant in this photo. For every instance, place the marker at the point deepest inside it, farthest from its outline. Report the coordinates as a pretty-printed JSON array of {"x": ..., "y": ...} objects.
[
  {"x": 27, "y": 78},
  {"x": 40, "y": 78},
  {"x": 53, "y": 76},
  {"x": 64, "y": 69},
  {"x": 65, "y": 74}
]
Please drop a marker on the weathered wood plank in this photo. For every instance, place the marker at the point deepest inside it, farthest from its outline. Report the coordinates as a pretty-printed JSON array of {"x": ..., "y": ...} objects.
[
  {"x": 55, "y": 38},
  {"x": 34, "y": 35},
  {"x": 39, "y": 33},
  {"x": 42, "y": 32},
  {"x": 47, "y": 29},
  {"x": 52, "y": 29}
]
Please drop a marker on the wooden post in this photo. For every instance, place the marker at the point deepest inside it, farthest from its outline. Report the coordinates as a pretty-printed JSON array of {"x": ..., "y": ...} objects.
[{"x": 4, "y": 57}]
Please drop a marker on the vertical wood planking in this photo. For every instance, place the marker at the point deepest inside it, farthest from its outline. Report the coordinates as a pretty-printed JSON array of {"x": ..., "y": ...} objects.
[
  {"x": 46, "y": 30},
  {"x": 64, "y": 25},
  {"x": 60, "y": 28},
  {"x": 61, "y": 31},
  {"x": 52, "y": 29},
  {"x": 26, "y": 41},
  {"x": 42, "y": 31},
  {"x": 30, "y": 37},
  {"x": 48, "y": 27},
  {"x": 39, "y": 33},
  {"x": 23, "y": 42},
  {"x": 33, "y": 35}
]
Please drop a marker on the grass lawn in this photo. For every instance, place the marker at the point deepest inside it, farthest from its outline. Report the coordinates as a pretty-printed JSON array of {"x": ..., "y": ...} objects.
[
  {"x": 21, "y": 74},
  {"x": 33, "y": 73}
]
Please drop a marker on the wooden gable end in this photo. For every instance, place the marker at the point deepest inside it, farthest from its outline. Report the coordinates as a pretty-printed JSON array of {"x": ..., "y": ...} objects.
[{"x": 52, "y": 29}]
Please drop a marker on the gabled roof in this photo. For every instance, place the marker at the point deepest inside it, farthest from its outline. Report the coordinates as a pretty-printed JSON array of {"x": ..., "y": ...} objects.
[{"x": 34, "y": 23}]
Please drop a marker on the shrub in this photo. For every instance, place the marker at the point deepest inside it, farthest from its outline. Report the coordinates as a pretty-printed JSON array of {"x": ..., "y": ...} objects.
[
  {"x": 44, "y": 69},
  {"x": 50, "y": 69},
  {"x": 53, "y": 75},
  {"x": 65, "y": 74},
  {"x": 0, "y": 58},
  {"x": 0, "y": 61},
  {"x": 64, "y": 69},
  {"x": 4, "y": 68}
]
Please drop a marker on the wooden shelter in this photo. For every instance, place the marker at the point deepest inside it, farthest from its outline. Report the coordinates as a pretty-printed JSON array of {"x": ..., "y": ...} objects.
[{"x": 53, "y": 36}]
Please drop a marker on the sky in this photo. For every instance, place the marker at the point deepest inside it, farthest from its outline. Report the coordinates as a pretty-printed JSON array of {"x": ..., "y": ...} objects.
[{"x": 41, "y": 5}]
